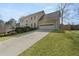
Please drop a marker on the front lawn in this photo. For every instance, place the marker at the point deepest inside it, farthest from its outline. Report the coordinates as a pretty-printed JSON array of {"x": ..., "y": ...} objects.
[{"x": 56, "y": 44}]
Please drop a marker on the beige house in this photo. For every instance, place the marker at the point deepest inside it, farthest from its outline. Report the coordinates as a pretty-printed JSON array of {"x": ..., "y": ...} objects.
[
  {"x": 41, "y": 20},
  {"x": 31, "y": 20}
]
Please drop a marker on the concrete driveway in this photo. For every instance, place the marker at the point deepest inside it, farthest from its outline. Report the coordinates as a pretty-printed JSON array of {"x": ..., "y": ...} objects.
[{"x": 15, "y": 46}]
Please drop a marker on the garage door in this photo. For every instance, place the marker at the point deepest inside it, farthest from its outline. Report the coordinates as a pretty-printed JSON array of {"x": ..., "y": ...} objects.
[{"x": 47, "y": 27}]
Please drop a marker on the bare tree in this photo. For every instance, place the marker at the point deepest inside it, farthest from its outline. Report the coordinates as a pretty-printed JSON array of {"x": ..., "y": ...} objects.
[
  {"x": 63, "y": 8},
  {"x": 2, "y": 26},
  {"x": 12, "y": 22},
  {"x": 76, "y": 10}
]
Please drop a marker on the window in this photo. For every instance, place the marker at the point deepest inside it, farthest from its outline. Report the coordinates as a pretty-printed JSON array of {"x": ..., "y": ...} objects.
[
  {"x": 31, "y": 25},
  {"x": 34, "y": 25},
  {"x": 26, "y": 20},
  {"x": 34, "y": 17},
  {"x": 31, "y": 18},
  {"x": 26, "y": 24}
]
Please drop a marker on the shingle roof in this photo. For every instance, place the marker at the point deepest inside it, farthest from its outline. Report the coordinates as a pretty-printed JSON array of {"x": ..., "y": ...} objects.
[
  {"x": 51, "y": 17},
  {"x": 23, "y": 17}
]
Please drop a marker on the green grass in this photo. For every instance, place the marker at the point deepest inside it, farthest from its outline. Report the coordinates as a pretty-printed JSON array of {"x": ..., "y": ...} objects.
[
  {"x": 56, "y": 44},
  {"x": 14, "y": 36}
]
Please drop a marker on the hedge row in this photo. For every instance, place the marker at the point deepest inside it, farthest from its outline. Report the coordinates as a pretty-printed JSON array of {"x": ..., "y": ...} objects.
[
  {"x": 18, "y": 30},
  {"x": 23, "y": 29}
]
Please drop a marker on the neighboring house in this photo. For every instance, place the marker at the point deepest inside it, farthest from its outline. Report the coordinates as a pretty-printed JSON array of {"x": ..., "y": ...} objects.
[
  {"x": 67, "y": 27},
  {"x": 2, "y": 29},
  {"x": 8, "y": 26},
  {"x": 75, "y": 27},
  {"x": 41, "y": 20},
  {"x": 71, "y": 27}
]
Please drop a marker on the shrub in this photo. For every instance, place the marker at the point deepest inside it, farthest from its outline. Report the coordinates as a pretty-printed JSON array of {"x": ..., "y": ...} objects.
[
  {"x": 27, "y": 29},
  {"x": 22, "y": 29},
  {"x": 19, "y": 30}
]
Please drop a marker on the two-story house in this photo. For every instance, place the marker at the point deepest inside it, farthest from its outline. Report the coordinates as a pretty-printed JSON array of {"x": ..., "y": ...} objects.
[{"x": 41, "y": 20}]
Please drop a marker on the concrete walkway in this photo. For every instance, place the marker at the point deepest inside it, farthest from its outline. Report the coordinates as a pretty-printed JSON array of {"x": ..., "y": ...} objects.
[{"x": 15, "y": 46}]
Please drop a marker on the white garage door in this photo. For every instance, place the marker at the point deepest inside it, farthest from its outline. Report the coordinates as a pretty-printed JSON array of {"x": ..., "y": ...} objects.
[{"x": 47, "y": 27}]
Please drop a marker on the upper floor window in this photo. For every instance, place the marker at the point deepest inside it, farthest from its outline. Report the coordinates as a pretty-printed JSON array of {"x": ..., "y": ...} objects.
[
  {"x": 31, "y": 25},
  {"x": 34, "y": 17},
  {"x": 26, "y": 24},
  {"x": 31, "y": 18},
  {"x": 26, "y": 20}
]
